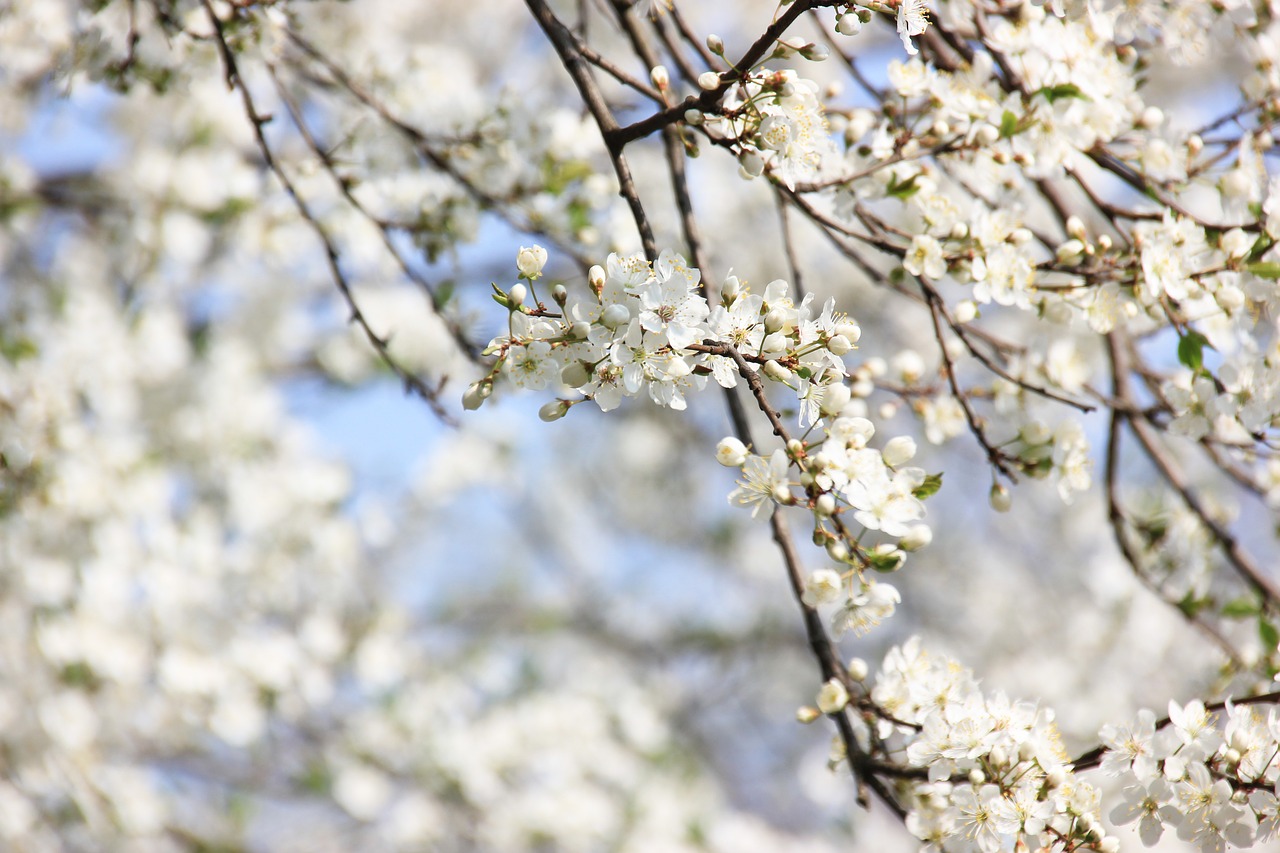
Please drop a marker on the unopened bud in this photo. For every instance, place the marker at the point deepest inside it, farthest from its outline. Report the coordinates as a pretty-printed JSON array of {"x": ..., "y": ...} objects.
[
  {"x": 807, "y": 714},
  {"x": 476, "y": 394},
  {"x": 709, "y": 80},
  {"x": 554, "y": 411},
  {"x": 715, "y": 44},
  {"x": 1000, "y": 498},
  {"x": 615, "y": 315},
  {"x": 516, "y": 295},
  {"x": 858, "y": 669},
  {"x": 661, "y": 79},
  {"x": 575, "y": 375}
]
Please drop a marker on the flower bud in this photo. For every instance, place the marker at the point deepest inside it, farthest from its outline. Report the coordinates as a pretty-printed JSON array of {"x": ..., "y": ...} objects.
[
  {"x": 575, "y": 375},
  {"x": 839, "y": 345},
  {"x": 966, "y": 311},
  {"x": 834, "y": 398},
  {"x": 823, "y": 587},
  {"x": 660, "y": 78},
  {"x": 815, "y": 52},
  {"x": 917, "y": 536},
  {"x": 694, "y": 117},
  {"x": 560, "y": 294},
  {"x": 731, "y": 452},
  {"x": 596, "y": 278},
  {"x": 476, "y": 394},
  {"x": 715, "y": 44},
  {"x": 852, "y": 331},
  {"x": 1075, "y": 227},
  {"x": 530, "y": 260},
  {"x": 554, "y": 411},
  {"x": 849, "y": 25},
  {"x": 776, "y": 371},
  {"x": 825, "y": 505},
  {"x": 580, "y": 330},
  {"x": 709, "y": 80},
  {"x": 774, "y": 343},
  {"x": 616, "y": 315},
  {"x": 899, "y": 450},
  {"x": 807, "y": 714},
  {"x": 729, "y": 290},
  {"x": 832, "y": 697},
  {"x": 516, "y": 295},
  {"x": 1151, "y": 118},
  {"x": 858, "y": 669},
  {"x": 751, "y": 164},
  {"x": 1000, "y": 498}
]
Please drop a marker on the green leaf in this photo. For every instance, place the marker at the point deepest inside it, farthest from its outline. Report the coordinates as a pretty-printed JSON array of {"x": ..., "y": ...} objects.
[
  {"x": 1260, "y": 247},
  {"x": 1191, "y": 350},
  {"x": 885, "y": 563},
  {"x": 1191, "y": 606},
  {"x": 1008, "y": 124},
  {"x": 1269, "y": 634},
  {"x": 904, "y": 190},
  {"x": 1060, "y": 91},
  {"x": 443, "y": 293},
  {"x": 929, "y": 487},
  {"x": 16, "y": 349},
  {"x": 1241, "y": 608},
  {"x": 1270, "y": 270}
]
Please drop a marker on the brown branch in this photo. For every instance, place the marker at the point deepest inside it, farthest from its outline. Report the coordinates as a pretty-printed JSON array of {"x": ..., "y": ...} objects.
[{"x": 235, "y": 82}]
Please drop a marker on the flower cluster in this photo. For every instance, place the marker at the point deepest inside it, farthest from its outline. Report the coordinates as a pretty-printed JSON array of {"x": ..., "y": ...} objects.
[
  {"x": 645, "y": 327},
  {"x": 1213, "y": 778},
  {"x": 996, "y": 774},
  {"x": 774, "y": 120}
]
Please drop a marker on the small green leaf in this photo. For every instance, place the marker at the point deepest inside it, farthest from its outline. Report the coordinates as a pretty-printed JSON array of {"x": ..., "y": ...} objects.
[
  {"x": 443, "y": 293},
  {"x": 1260, "y": 247},
  {"x": 929, "y": 487},
  {"x": 1191, "y": 606},
  {"x": 1240, "y": 608},
  {"x": 904, "y": 190},
  {"x": 1008, "y": 124},
  {"x": 1270, "y": 270},
  {"x": 1191, "y": 350},
  {"x": 1060, "y": 91},
  {"x": 1268, "y": 633}
]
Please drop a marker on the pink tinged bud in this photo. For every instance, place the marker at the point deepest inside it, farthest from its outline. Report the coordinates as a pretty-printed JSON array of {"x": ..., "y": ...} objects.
[{"x": 661, "y": 79}]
